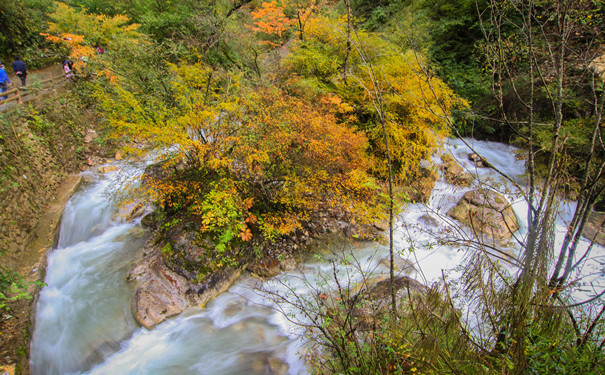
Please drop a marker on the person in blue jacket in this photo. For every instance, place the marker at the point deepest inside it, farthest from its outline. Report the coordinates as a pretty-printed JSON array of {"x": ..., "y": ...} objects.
[
  {"x": 20, "y": 69},
  {"x": 4, "y": 81}
]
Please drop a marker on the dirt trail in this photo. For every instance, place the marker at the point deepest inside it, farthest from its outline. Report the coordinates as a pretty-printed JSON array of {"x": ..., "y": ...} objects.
[
  {"x": 34, "y": 76},
  {"x": 34, "y": 80}
]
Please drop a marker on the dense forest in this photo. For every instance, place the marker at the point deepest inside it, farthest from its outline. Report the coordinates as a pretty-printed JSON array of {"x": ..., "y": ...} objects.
[{"x": 274, "y": 116}]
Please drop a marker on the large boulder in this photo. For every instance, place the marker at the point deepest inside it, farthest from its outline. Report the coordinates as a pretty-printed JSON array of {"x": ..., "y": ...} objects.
[
  {"x": 381, "y": 291},
  {"x": 454, "y": 173},
  {"x": 130, "y": 211},
  {"x": 400, "y": 265},
  {"x": 486, "y": 212},
  {"x": 90, "y": 135},
  {"x": 377, "y": 299},
  {"x": 107, "y": 168},
  {"x": 161, "y": 292},
  {"x": 427, "y": 220}
]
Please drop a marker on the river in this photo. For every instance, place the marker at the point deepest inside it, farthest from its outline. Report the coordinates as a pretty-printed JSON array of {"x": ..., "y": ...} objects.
[{"x": 84, "y": 322}]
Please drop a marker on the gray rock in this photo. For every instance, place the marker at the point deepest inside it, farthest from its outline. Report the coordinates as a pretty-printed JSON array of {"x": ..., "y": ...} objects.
[
  {"x": 428, "y": 220},
  {"x": 377, "y": 299},
  {"x": 401, "y": 265},
  {"x": 107, "y": 168},
  {"x": 269, "y": 267},
  {"x": 90, "y": 136},
  {"x": 130, "y": 211},
  {"x": 594, "y": 228},
  {"x": 486, "y": 212},
  {"x": 161, "y": 292}
]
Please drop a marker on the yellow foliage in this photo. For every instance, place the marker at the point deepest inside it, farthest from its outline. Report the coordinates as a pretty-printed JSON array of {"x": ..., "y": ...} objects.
[
  {"x": 385, "y": 84},
  {"x": 278, "y": 158},
  {"x": 79, "y": 32}
]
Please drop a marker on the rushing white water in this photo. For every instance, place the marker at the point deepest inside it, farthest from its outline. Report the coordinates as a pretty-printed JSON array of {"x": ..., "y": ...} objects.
[
  {"x": 432, "y": 257},
  {"x": 84, "y": 311},
  {"x": 84, "y": 320}
]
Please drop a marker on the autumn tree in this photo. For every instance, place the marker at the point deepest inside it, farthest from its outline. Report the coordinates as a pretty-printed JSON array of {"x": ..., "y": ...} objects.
[
  {"x": 79, "y": 32},
  {"x": 273, "y": 20},
  {"x": 545, "y": 60},
  {"x": 250, "y": 164},
  {"x": 415, "y": 107},
  {"x": 404, "y": 114}
]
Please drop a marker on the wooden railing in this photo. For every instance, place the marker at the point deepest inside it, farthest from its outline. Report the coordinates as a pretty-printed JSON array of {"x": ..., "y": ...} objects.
[{"x": 32, "y": 92}]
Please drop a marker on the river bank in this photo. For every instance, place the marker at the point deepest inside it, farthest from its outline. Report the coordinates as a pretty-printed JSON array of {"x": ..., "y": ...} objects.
[
  {"x": 32, "y": 266},
  {"x": 246, "y": 332},
  {"x": 42, "y": 150}
]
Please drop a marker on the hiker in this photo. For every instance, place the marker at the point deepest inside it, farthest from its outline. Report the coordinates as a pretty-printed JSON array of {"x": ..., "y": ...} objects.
[
  {"x": 20, "y": 69},
  {"x": 68, "y": 67},
  {"x": 4, "y": 81},
  {"x": 69, "y": 63}
]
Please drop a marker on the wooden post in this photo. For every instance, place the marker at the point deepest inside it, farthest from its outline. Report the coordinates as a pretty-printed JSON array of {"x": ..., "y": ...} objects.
[{"x": 18, "y": 93}]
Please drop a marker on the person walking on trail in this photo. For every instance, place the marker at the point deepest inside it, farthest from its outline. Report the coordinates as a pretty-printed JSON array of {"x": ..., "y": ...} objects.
[
  {"x": 68, "y": 68},
  {"x": 20, "y": 69},
  {"x": 4, "y": 81},
  {"x": 69, "y": 63}
]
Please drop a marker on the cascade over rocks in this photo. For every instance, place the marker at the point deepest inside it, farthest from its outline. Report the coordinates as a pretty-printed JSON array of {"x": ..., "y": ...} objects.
[
  {"x": 454, "y": 173},
  {"x": 479, "y": 161},
  {"x": 486, "y": 212}
]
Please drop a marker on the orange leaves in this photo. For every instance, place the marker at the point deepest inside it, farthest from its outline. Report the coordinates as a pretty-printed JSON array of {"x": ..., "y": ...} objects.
[
  {"x": 277, "y": 157},
  {"x": 271, "y": 20},
  {"x": 208, "y": 220},
  {"x": 245, "y": 235},
  {"x": 247, "y": 204},
  {"x": 385, "y": 83},
  {"x": 301, "y": 156},
  {"x": 75, "y": 43},
  {"x": 248, "y": 165},
  {"x": 79, "y": 31}
]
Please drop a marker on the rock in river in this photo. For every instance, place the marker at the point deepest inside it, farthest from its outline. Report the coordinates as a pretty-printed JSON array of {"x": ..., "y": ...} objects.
[
  {"x": 161, "y": 292},
  {"x": 487, "y": 212},
  {"x": 454, "y": 173}
]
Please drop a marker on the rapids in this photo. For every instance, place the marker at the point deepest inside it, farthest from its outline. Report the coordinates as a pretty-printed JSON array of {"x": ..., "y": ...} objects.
[{"x": 84, "y": 322}]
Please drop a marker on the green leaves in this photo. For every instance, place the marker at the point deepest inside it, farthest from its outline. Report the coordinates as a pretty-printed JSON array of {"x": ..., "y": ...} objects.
[{"x": 12, "y": 288}]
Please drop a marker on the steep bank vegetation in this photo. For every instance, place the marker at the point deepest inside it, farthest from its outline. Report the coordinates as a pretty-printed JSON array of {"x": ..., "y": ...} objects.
[
  {"x": 39, "y": 147},
  {"x": 22, "y": 22}
]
